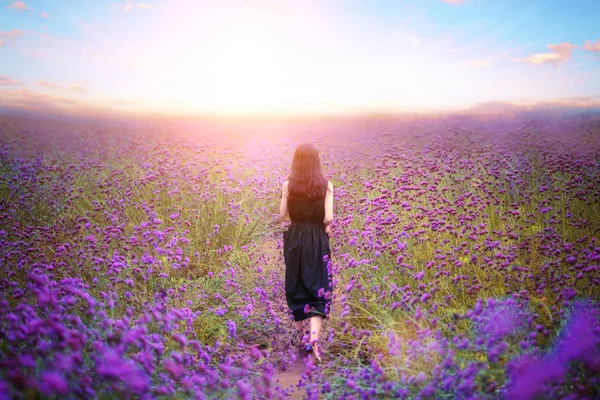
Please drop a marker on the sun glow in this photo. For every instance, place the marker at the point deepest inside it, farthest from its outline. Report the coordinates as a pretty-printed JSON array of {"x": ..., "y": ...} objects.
[
  {"x": 245, "y": 67},
  {"x": 249, "y": 62},
  {"x": 248, "y": 70}
]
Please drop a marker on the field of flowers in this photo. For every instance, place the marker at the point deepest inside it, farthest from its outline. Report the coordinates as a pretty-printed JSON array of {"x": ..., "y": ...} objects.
[{"x": 144, "y": 262}]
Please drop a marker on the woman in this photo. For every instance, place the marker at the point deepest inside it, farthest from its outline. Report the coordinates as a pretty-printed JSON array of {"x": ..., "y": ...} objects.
[{"x": 307, "y": 198}]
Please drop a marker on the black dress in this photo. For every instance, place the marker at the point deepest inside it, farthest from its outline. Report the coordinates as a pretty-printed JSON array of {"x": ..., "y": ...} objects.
[{"x": 307, "y": 259}]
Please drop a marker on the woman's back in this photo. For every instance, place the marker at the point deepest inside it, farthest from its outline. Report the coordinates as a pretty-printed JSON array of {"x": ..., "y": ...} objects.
[{"x": 305, "y": 209}]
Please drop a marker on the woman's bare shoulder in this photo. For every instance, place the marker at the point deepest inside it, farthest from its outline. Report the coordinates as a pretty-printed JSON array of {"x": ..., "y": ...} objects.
[{"x": 330, "y": 186}]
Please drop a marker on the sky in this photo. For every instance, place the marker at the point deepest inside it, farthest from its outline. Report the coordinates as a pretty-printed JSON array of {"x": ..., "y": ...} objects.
[{"x": 297, "y": 56}]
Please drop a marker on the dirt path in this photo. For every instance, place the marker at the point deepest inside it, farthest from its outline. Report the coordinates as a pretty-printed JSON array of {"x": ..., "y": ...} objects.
[{"x": 289, "y": 379}]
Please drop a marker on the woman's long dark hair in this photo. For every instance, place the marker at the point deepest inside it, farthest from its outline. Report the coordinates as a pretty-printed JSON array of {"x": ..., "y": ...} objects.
[{"x": 306, "y": 178}]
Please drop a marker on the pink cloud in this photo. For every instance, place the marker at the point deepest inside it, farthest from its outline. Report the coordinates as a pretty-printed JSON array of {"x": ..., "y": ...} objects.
[
  {"x": 23, "y": 99},
  {"x": 48, "y": 85},
  {"x": 452, "y": 1},
  {"x": 55, "y": 86},
  {"x": 592, "y": 47},
  {"x": 19, "y": 5},
  {"x": 142, "y": 6},
  {"x": 77, "y": 88},
  {"x": 11, "y": 34},
  {"x": 6, "y": 81},
  {"x": 26, "y": 99},
  {"x": 558, "y": 54},
  {"x": 45, "y": 15}
]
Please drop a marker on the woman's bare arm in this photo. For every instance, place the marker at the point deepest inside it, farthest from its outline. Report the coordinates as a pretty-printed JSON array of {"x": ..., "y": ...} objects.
[
  {"x": 283, "y": 208},
  {"x": 328, "y": 204}
]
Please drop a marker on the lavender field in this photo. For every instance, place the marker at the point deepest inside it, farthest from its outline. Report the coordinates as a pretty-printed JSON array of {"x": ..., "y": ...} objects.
[{"x": 145, "y": 262}]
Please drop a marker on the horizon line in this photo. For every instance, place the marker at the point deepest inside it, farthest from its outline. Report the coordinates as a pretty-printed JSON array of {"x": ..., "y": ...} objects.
[{"x": 489, "y": 108}]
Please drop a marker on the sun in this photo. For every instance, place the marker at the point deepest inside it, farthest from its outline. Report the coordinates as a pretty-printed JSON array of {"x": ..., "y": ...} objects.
[
  {"x": 248, "y": 71},
  {"x": 245, "y": 69}
]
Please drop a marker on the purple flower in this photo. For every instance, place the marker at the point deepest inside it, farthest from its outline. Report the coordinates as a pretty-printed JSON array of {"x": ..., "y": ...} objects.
[
  {"x": 244, "y": 390},
  {"x": 181, "y": 340},
  {"x": 53, "y": 383},
  {"x": 578, "y": 341},
  {"x": 113, "y": 367},
  {"x": 173, "y": 368},
  {"x": 232, "y": 328},
  {"x": 497, "y": 320}
]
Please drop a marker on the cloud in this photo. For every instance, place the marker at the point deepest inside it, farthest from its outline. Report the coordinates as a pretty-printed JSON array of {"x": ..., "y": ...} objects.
[
  {"x": 77, "y": 88},
  {"x": 55, "y": 86},
  {"x": 479, "y": 63},
  {"x": 581, "y": 101},
  {"x": 6, "y": 81},
  {"x": 11, "y": 34},
  {"x": 555, "y": 105},
  {"x": 45, "y": 15},
  {"x": 142, "y": 6},
  {"x": 19, "y": 5},
  {"x": 453, "y": 1},
  {"x": 48, "y": 85},
  {"x": 26, "y": 100},
  {"x": 592, "y": 47},
  {"x": 558, "y": 54}
]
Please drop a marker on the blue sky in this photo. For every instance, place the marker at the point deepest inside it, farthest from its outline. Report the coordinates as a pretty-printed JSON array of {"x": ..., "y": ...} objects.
[{"x": 277, "y": 56}]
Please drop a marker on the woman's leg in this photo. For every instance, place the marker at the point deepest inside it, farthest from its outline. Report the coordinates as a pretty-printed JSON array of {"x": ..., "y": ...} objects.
[{"x": 316, "y": 323}]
